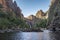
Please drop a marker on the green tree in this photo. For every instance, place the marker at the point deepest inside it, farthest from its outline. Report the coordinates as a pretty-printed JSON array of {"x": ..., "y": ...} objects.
[
  {"x": 42, "y": 24},
  {"x": 9, "y": 20}
]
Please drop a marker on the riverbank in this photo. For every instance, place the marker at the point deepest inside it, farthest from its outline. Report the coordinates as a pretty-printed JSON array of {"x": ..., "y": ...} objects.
[
  {"x": 32, "y": 30},
  {"x": 22, "y": 30}
]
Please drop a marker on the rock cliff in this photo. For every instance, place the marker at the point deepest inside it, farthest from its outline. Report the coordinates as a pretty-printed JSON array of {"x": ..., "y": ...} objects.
[
  {"x": 9, "y": 6},
  {"x": 41, "y": 15},
  {"x": 54, "y": 14},
  {"x": 36, "y": 19}
]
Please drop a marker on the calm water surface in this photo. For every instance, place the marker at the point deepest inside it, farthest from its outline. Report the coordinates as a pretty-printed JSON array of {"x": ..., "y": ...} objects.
[{"x": 46, "y": 35}]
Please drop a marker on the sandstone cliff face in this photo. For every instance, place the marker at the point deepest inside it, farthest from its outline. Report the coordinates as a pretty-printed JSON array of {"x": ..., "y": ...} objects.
[
  {"x": 9, "y": 6},
  {"x": 3, "y": 3},
  {"x": 40, "y": 14}
]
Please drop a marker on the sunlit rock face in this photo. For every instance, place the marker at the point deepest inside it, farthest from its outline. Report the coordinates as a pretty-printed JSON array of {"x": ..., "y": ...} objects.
[
  {"x": 9, "y": 6},
  {"x": 41, "y": 15},
  {"x": 3, "y": 3},
  {"x": 54, "y": 12},
  {"x": 31, "y": 17},
  {"x": 52, "y": 2}
]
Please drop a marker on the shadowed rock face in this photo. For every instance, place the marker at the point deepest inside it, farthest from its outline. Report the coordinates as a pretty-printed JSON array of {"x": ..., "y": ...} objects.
[
  {"x": 9, "y": 6},
  {"x": 55, "y": 23},
  {"x": 32, "y": 20},
  {"x": 54, "y": 14}
]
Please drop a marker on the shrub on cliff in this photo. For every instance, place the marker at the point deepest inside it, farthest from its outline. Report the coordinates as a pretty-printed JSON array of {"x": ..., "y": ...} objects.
[
  {"x": 42, "y": 24},
  {"x": 3, "y": 14},
  {"x": 7, "y": 21}
]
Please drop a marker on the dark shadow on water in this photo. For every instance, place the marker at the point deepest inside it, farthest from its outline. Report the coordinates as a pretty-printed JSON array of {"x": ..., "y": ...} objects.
[{"x": 55, "y": 35}]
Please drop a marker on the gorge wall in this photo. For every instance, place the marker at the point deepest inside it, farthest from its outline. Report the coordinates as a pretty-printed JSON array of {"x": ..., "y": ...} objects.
[
  {"x": 40, "y": 15},
  {"x": 37, "y": 18},
  {"x": 54, "y": 14},
  {"x": 9, "y": 6}
]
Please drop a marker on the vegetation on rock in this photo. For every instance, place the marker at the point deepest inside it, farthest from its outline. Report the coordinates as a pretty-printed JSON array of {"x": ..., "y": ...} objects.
[
  {"x": 42, "y": 24},
  {"x": 10, "y": 21}
]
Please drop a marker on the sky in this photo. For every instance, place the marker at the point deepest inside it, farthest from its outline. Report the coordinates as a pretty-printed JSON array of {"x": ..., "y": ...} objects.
[{"x": 30, "y": 7}]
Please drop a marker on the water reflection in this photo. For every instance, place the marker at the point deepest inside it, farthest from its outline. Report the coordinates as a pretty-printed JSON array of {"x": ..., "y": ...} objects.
[
  {"x": 21, "y": 36},
  {"x": 31, "y": 36},
  {"x": 46, "y": 35}
]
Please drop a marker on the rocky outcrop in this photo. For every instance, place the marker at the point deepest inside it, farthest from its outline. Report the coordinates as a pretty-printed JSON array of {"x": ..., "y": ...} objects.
[
  {"x": 31, "y": 20},
  {"x": 31, "y": 17},
  {"x": 40, "y": 14},
  {"x": 55, "y": 24},
  {"x": 54, "y": 14},
  {"x": 52, "y": 10},
  {"x": 9, "y": 6},
  {"x": 36, "y": 19}
]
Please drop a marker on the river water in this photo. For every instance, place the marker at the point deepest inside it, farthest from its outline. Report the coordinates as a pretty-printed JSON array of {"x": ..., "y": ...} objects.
[{"x": 46, "y": 35}]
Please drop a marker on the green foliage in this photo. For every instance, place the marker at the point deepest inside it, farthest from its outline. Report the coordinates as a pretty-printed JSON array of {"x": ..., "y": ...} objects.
[
  {"x": 3, "y": 14},
  {"x": 1, "y": 6},
  {"x": 7, "y": 20},
  {"x": 4, "y": 23},
  {"x": 42, "y": 24}
]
